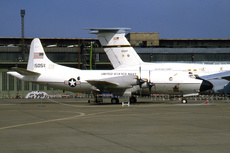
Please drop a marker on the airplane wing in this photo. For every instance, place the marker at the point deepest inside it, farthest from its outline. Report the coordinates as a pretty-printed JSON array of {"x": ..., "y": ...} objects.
[
  {"x": 114, "y": 84},
  {"x": 221, "y": 75},
  {"x": 24, "y": 71},
  {"x": 100, "y": 84},
  {"x": 105, "y": 86}
]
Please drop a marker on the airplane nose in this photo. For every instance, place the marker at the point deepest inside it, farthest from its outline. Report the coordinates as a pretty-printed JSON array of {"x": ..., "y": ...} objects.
[{"x": 206, "y": 85}]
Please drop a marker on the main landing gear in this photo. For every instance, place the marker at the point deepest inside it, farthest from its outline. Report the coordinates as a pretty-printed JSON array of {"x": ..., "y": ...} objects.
[
  {"x": 97, "y": 99},
  {"x": 132, "y": 99},
  {"x": 115, "y": 100}
]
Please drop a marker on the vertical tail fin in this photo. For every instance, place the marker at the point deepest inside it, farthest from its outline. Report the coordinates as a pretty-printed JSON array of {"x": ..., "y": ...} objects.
[
  {"x": 117, "y": 47},
  {"x": 38, "y": 61}
]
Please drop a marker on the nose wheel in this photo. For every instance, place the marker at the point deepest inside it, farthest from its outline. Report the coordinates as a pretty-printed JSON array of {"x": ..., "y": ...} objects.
[{"x": 184, "y": 101}]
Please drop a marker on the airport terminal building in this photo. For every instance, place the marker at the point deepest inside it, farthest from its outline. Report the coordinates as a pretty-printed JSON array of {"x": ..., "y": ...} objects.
[{"x": 75, "y": 52}]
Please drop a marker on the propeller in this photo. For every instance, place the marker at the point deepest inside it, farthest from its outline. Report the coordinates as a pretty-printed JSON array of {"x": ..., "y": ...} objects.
[
  {"x": 149, "y": 83},
  {"x": 140, "y": 81}
]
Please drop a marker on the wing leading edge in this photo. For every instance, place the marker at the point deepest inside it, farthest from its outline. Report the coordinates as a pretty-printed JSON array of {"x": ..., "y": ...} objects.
[
  {"x": 221, "y": 75},
  {"x": 119, "y": 84}
]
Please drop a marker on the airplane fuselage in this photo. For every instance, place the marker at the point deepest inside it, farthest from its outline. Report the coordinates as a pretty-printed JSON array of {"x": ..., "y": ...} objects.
[
  {"x": 195, "y": 68},
  {"x": 167, "y": 82}
]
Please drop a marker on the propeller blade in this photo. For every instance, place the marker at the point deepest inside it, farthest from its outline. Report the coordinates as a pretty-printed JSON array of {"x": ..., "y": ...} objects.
[
  {"x": 140, "y": 82},
  {"x": 150, "y": 84}
]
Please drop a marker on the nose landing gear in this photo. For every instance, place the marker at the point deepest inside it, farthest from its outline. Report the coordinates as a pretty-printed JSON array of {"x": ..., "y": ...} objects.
[{"x": 184, "y": 101}]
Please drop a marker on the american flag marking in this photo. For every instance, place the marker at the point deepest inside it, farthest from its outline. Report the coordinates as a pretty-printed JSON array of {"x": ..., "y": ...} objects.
[
  {"x": 38, "y": 55},
  {"x": 115, "y": 38}
]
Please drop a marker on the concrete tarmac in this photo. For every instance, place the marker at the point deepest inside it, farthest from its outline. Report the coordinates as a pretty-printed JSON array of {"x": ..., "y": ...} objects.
[{"x": 74, "y": 125}]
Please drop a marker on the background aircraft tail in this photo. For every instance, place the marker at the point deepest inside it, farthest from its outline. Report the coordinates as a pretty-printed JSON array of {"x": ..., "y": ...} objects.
[
  {"x": 38, "y": 61},
  {"x": 117, "y": 47}
]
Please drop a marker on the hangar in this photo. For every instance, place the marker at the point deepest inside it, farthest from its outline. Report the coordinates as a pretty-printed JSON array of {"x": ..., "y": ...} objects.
[{"x": 74, "y": 52}]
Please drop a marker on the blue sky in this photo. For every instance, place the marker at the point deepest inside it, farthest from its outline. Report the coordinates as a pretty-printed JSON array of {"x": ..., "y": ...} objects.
[{"x": 173, "y": 19}]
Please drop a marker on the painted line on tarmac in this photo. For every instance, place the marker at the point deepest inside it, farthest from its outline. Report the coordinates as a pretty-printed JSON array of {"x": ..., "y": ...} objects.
[
  {"x": 60, "y": 119},
  {"x": 62, "y": 103},
  {"x": 41, "y": 122},
  {"x": 200, "y": 104},
  {"x": 7, "y": 104},
  {"x": 82, "y": 105}
]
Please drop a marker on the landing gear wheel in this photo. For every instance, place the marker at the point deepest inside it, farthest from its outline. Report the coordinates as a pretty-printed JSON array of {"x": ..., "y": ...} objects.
[
  {"x": 114, "y": 100},
  {"x": 184, "y": 101},
  {"x": 133, "y": 99}
]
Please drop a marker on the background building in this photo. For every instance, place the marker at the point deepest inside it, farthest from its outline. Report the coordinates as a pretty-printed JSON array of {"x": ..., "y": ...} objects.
[
  {"x": 74, "y": 52},
  {"x": 143, "y": 39}
]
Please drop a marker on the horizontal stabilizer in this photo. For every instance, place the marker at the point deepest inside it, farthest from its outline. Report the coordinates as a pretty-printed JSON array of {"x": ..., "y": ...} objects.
[
  {"x": 107, "y": 30},
  {"x": 24, "y": 71}
]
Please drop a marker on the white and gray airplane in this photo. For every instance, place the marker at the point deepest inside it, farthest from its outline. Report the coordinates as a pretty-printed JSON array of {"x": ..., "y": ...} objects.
[
  {"x": 119, "y": 82},
  {"x": 123, "y": 56}
]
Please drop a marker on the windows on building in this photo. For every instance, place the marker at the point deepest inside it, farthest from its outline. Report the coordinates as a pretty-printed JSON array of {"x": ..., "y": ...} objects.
[
  {"x": 11, "y": 82},
  {"x": 4, "y": 81},
  {"x": 19, "y": 85},
  {"x": 26, "y": 85}
]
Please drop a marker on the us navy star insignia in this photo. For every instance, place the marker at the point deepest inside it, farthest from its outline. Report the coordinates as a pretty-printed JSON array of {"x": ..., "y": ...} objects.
[{"x": 72, "y": 82}]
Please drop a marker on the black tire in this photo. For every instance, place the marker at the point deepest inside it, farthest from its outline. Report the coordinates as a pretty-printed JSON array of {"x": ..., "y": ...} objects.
[
  {"x": 184, "y": 101},
  {"x": 132, "y": 99},
  {"x": 114, "y": 100}
]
